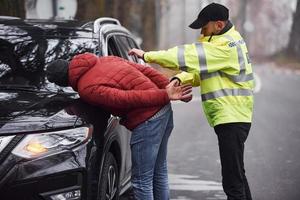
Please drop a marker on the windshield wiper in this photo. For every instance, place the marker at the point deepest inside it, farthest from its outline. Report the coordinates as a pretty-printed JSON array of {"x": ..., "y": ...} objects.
[
  {"x": 17, "y": 86},
  {"x": 27, "y": 88},
  {"x": 30, "y": 88}
]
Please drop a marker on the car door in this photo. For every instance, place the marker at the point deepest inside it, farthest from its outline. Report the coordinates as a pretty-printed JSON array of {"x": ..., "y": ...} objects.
[{"x": 119, "y": 45}]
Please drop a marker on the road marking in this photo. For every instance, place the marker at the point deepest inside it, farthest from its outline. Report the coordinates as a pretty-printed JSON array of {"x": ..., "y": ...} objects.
[
  {"x": 192, "y": 183},
  {"x": 257, "y": 83},
  {"x": 182, "y": 198}
]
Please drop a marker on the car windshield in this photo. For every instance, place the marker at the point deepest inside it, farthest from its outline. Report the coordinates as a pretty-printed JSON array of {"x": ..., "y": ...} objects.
[{"x": 26, "y": 49}]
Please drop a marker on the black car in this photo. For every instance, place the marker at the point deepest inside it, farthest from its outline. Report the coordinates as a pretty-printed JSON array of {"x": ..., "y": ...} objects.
[{"x": 53, "y": 146}]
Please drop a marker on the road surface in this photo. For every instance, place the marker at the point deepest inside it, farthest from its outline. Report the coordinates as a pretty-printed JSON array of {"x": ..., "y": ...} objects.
[{"x": 272, "y": 149}]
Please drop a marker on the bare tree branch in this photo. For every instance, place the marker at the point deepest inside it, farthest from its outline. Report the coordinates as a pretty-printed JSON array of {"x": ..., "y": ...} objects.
[
  {"x": 294, "y": 42},
  {"x": 12, "y": 8}
]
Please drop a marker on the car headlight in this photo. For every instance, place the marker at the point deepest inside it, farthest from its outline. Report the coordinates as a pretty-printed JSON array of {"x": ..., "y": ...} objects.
[{"x": 36, "y": 145}]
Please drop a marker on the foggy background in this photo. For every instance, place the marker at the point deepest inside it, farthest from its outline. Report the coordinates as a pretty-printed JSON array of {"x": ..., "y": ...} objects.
[
  {"x": 266, "y": 25},
  {"x": 271, "y": 29}
]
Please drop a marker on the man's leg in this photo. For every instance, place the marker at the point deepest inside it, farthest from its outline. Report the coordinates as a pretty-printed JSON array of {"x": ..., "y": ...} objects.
[
  {"x": 145, "y": 143},
  {"x": 231, "y": 139},
  {"x": 160, "y": 179}
]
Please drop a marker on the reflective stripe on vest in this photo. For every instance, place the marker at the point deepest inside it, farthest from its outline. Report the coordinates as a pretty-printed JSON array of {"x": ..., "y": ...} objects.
[
  {"x": 202, "y": 60},
  {"x": 242, "y": 77},
  {"x": 240, "y": 54},
  {"x": 226, "y": 92},
  {"x": 181, "y": 59},
  {"x": 233, "y": 78}
]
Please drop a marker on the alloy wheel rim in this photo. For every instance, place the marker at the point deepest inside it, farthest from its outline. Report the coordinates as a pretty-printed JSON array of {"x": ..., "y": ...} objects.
[{"x": 111, "y": 183}]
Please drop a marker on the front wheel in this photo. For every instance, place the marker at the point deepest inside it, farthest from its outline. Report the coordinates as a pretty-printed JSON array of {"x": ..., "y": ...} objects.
[{"x": 109, "y": 182}]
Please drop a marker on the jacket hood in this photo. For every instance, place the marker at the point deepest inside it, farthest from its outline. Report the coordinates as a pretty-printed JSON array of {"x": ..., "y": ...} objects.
[{"x": 79, "y": 65}]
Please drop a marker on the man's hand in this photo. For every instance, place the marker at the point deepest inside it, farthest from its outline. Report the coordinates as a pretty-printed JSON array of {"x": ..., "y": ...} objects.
[
  {"x": 179, "y": 92},
  {"x": 187, "y": 98},
  {"x": 138, "y": 52},
  {"x": 176, "y": 81}
]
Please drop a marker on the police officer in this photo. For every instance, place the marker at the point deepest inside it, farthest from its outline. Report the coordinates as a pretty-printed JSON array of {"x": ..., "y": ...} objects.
[{"x": 220, "y": 65}]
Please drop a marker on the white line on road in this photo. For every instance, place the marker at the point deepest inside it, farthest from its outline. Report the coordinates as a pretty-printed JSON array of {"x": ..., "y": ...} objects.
[
  {"x": 192, "y": 183},
  {"x": 181, "y": 198},
  {"x": 257, "y": 83}
]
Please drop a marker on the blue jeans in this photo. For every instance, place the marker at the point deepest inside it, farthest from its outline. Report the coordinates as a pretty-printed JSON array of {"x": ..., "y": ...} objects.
[{"x": 149, "y": 157}]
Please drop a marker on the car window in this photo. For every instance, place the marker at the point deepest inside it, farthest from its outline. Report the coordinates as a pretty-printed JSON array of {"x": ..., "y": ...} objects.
[
  {"x": 112, "y": 48},
  {"x": 119, "y": 45}
]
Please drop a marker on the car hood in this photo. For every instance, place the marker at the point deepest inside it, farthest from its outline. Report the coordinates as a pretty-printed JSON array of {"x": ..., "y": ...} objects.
[{"x": 31, "y": 111}]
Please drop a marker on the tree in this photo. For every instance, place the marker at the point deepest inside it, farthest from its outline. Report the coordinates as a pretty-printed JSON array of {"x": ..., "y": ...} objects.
[
  {"x": 90, "y": 9},
  {"x": 293, "y": 48},
  {"x": 14, "y": 8},
  {"x": 240, "y": 19},
  {"x": 138, "y": 16},
  {"x": 149, "y": 25}
]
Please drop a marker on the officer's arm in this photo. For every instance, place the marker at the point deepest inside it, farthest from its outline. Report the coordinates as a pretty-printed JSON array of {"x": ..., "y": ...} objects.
[
  {"x": 165, "y": 58},
  {"x": 188, "y": 78},
  {"x": 216, "y": 57}
]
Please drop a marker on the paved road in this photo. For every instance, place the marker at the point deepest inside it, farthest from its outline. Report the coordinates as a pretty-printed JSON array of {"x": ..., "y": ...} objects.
[{"x": 272, "y": 149}]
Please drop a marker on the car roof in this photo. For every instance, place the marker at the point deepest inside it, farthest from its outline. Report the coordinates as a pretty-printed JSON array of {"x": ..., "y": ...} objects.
[
  {"x": 41, "y": 23},
  {"x": 60, "y": 24}
]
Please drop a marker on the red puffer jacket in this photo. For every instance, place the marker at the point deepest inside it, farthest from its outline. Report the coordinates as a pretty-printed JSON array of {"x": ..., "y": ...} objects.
[{"x": 126, "y": 89}]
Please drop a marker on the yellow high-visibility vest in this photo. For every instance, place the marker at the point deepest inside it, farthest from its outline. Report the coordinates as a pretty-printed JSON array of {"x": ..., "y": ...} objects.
[{"x": 222, "y": 69}]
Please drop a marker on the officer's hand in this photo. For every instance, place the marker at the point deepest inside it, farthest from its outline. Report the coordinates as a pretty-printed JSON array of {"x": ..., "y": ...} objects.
[{"x": 138, "y": 52}]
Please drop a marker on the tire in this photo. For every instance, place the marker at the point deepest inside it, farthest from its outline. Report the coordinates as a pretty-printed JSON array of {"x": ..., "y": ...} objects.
[{"x": 109, "y": 181}]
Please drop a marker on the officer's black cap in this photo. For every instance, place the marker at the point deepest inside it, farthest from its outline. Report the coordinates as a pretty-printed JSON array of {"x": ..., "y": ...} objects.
[{"x": 212, "y": 12}]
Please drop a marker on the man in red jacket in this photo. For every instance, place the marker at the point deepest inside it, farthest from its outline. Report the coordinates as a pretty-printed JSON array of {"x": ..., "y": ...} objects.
[{"x": 141, "y": 97}]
